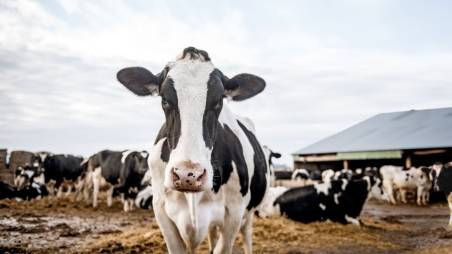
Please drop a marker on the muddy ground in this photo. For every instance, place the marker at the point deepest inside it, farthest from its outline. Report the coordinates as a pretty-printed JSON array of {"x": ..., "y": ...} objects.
[{"x": 63, "y": 226}]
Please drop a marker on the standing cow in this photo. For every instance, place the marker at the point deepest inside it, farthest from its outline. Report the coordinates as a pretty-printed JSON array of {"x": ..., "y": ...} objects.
[
  {"x": 121, "y": 172},
  {"x": 208, "y": 170},
  {"x": 442, "y": 181},
  {"x": 62, "y": 171}
]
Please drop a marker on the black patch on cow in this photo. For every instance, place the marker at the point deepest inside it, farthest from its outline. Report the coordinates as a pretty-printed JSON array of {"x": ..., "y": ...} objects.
[
  {"x": 165, "y": 153},
  {"x": 214, "y": 104},
  {"x": 259, "y": 180},
  {"x": 445, "y": 179},
  {"x": 172, "y": 114},
  {"x": 62, "y": 167},
  {"x": 228, "y": 149}
]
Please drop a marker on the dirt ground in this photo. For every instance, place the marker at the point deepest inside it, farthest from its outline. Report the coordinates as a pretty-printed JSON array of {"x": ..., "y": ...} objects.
[{"x": 63, "y": 226}]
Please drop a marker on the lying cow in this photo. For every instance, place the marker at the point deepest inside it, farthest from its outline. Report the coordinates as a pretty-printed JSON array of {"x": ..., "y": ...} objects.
[
  {"x": 121, "y": 172},
  {"x": 28, "y": 189},
  {"x": 336, "y": 200},
  {"x": 209, "y": 172},
  {"x": 442, "y": 181}
]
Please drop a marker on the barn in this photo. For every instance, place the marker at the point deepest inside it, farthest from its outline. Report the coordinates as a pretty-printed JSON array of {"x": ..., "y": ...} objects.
[{"x": 407, "y": 138}]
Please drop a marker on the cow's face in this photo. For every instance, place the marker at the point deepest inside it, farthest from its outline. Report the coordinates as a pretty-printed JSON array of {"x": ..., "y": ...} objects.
[
  {"x": 192, "y": 93},
  {"x": 435, "y": 170},
  {"x": 25, "y": 176}
]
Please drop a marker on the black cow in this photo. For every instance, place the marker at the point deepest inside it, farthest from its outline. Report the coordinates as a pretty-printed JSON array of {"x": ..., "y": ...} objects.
[
  {"x": 336, "y": 200},
  {"x": 442, "y": 181},
  {"x": 121, "y": 171},
  {"x": 62, "y": 170}
]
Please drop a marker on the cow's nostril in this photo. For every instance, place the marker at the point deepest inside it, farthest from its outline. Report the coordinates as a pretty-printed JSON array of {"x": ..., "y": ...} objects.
[
  {"x": 202, "y": 176},
  {"x": 175, "y": 175},
  {"x": 190, "y": 174}
]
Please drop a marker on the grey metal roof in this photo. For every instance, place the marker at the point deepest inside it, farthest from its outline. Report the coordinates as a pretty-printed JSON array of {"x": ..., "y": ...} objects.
[{"x": 414, "y": 129}]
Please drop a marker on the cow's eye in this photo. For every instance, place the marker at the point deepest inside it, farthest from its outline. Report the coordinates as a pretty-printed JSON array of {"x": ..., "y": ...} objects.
[{"x": 165, "y": 103}]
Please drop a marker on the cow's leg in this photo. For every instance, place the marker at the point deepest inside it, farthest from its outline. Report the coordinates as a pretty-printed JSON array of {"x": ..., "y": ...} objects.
[
  {"x": 387, "y": 186},
  {"x": 247, "y": 233},
  {"x": 110, "y": 196},
  {"x": 170, "y": 233},
  {"x": 60, "y": 191},
  {"x": 426, "y": 197},
  {"x": 353, "y": 221},
  {"x": 449, "y": 200},
  {"x": 69, "y": 190},
  {"x": 87, "y": 185},
  {"x": 229, "y": 231},
  {"x": 403, "y": 195},
  {"x": 212, "y": 238},
  {"x": 51, "y": 187},
  {"x": 96, "y": 185},
  {"x": 419, "y": 196},
  {"x": 78, "y": 189}
]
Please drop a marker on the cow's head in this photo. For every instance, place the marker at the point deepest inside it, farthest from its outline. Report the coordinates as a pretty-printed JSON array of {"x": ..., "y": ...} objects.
[
  {"x": 435, "y": 170},
  {"x": 192, "y": 92},
  {"x": 27, "y": 175}
]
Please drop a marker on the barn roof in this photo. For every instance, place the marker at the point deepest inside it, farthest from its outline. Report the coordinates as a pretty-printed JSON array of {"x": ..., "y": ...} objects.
[{"x": 414, "y": 129}]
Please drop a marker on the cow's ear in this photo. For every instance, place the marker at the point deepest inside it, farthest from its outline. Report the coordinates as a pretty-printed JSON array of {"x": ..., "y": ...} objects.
[
  {"x": 276, "y": 155},
  {"x": 242, "y": 86},
  {"x": 140, "y": 81}
]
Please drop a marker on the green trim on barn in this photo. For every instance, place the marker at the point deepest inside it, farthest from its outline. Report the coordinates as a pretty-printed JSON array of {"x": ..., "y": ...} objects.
[{"x": 392, "y": 154}]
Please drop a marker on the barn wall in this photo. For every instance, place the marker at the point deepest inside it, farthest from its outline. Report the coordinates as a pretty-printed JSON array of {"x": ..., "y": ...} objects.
[{"x": 6, "y": 175}]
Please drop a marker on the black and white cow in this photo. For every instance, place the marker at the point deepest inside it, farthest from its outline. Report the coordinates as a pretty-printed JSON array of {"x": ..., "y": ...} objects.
[
  {"x": 442, "y": 181},
  {"x": 336, "y": 200},
  {"x": 144, "y": 197},
  {"x": 121, "y": 171},
  {"x": 303, "y": 177},
  {"x": 62, "y": 171},
  {"x": 270, "y": 155},
  {"x": 30, "y": 185},
  {"x": 208, "y": 170}
]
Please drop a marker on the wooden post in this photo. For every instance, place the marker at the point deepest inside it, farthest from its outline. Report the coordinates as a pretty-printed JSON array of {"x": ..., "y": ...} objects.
[
  {"x": 408, "y": 161},
  {"x": 345, "y": 164}
]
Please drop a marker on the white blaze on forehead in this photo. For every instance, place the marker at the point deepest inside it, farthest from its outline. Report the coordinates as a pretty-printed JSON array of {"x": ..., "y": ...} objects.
[
  {"x": 124, "y": 155},
  {"x": 322, "y": 206},
  {"x": 190, "y": 79}
]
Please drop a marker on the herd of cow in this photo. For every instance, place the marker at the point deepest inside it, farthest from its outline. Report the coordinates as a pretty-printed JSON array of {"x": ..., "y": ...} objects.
[
  {"x": 207, "y": 173},
  {"x": 120, "y": 173},
  {"x": 388, "y": 183}
]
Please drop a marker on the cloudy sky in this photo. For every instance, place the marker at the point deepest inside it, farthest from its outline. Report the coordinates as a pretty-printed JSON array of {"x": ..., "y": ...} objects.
[{"x": 328, "y": 65}]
